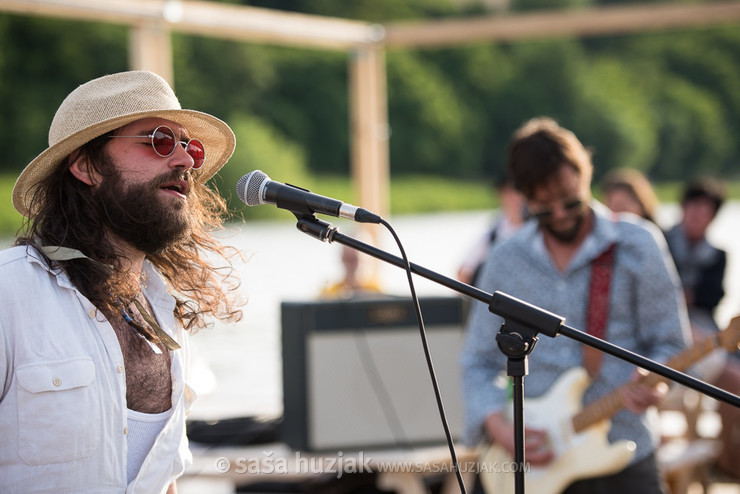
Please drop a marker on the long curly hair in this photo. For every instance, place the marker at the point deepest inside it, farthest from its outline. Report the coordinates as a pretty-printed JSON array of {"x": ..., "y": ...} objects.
[{"x": 64, "y": 213}]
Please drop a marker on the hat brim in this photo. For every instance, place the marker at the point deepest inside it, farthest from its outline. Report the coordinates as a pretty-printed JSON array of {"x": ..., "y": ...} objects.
[{"x": 217, "y": 138}]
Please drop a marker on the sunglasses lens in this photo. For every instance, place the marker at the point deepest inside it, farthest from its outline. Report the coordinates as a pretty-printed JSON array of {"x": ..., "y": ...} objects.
[
  {"x": 197, "y": 152},
  {"x": 163, "y": 141},
  {"x": 546, "y": 213}
]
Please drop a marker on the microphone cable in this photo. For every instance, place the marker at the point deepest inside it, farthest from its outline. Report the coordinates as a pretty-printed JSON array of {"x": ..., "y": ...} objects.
[{"x": 428, "y": 356}]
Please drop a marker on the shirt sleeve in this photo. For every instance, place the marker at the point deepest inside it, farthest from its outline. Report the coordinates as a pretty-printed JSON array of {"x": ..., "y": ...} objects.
[
  {"x": 482, "y": 363},
  {"x": 3, "y": 365},
  {"x": 662, "y": 318}
]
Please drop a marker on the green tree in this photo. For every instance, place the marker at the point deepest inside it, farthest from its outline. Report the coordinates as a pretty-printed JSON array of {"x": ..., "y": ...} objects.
[
  {"x": 42, "y": 61},
  {"x": 667, "y": 103},
  {"x": 260, "y": 147}
]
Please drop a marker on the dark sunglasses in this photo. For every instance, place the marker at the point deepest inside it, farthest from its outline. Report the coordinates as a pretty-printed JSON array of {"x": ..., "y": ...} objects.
[
  {"x": 164, "y": 142},
  {"x": 545, "y": 213}
]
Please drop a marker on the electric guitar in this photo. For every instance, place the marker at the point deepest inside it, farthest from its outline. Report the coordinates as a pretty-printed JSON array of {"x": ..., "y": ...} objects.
[{"x": 578, "y": 437}]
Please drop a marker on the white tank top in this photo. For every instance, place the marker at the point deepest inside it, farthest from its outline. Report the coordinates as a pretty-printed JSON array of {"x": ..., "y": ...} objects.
[{"x": 143, "y": 429}]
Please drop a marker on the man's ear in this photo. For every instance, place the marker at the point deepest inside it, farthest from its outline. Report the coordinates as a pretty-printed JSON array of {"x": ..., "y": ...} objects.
[{"x": 81, "y": 169}]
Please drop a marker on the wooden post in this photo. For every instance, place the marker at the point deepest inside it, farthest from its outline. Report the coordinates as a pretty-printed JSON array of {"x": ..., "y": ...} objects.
[
  {"x": 369, "y": 129},
  {"x": 150, "y": 48},
  {"x": 369, "y": 138}
]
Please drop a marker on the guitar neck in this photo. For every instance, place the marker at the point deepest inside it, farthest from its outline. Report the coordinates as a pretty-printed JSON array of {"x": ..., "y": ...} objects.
[{"x": 608, "y": 405}]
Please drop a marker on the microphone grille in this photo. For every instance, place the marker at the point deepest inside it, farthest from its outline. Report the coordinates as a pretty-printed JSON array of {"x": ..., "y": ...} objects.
[{"x": 249, "y": 186}]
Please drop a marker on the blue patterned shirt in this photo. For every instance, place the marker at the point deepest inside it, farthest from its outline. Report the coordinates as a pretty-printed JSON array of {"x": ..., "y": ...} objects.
[{"x": 646, "y": 315}]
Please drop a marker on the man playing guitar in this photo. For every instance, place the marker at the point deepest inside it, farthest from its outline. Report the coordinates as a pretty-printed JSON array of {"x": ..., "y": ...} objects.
[{"x": 611, "y": 276}]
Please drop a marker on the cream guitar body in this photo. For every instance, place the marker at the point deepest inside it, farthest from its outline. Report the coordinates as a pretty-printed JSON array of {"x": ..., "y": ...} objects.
[
  {"x": 578, "y": 436},
  {"x": 577, "y": 454}
]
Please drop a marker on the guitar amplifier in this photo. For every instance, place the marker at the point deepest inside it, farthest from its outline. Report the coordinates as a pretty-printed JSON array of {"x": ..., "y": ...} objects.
[{"x": 355, "y": 375}]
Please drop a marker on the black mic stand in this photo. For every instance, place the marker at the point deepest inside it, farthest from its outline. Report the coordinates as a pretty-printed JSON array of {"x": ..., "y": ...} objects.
[
  {"x": 518, "y": 334},
  {"x": 516, "y": 339}
]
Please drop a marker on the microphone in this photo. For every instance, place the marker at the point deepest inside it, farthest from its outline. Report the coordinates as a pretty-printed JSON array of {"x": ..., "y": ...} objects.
[{"x": 256, "y": 188}]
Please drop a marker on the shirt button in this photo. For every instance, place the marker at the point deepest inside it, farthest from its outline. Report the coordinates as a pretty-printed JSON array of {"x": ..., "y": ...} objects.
[
  {"x": 125, "y": 431},
  {"x": 91, "y": 313},
  {"x": 120, "y": 369},
  {"x": 57, "y": 381}
]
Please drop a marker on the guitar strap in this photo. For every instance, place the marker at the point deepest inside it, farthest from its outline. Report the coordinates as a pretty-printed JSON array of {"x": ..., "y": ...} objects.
[{"x": 598, "y": 307}]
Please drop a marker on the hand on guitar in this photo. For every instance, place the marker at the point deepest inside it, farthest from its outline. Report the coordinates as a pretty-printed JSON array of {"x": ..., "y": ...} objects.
[
  {"x": 536, "y": 441},
  {"x": 639, "y": 395}
]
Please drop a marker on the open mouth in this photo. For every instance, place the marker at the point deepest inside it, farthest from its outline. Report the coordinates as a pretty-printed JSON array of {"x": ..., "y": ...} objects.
[{"x": 176, "y": 187}]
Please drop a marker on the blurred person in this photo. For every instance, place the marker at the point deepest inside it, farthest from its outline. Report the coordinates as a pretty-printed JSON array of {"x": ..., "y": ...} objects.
[
  {"x": 116, "y": 263},
  {"x": 357, "y": 280},
  {"x": 629, "y": 191},
  {"x": 511, "y": 216},
  {"x": 549, "y": 263},
  {"x": 701, "y": 267}
]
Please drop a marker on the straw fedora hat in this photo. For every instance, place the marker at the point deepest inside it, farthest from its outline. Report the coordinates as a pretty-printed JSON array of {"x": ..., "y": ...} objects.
[{"x": 110, "y": 102}]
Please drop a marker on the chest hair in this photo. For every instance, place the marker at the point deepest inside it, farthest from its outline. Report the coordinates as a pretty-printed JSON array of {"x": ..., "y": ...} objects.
[{"x": 148, "y": 378}]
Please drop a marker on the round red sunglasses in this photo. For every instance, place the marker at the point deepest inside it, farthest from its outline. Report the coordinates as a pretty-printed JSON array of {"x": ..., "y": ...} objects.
[{"x": 163, "y": 141}]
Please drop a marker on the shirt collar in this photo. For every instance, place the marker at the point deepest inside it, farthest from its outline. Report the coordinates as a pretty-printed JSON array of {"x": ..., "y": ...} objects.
[{"x": 155, "y": 289}]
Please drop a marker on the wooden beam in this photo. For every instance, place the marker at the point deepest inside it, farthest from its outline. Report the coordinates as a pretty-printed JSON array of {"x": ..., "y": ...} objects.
[
  {"x": 215, "y": 20},
  {"x": 561, "y": 23},
  {"x": 274, "y": 27},
  {"x": 111, "y": 11}
]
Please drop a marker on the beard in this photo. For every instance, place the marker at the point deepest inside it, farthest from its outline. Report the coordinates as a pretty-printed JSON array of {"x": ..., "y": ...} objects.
[
  {"x": 137, "y": 214},
  {"x": 567, "y": 235}
]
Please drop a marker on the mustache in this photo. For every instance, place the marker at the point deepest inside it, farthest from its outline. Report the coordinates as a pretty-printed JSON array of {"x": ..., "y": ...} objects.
[{"x": 172, "y": 176}]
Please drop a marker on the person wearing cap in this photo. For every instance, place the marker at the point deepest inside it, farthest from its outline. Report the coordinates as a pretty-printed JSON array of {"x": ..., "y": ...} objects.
[{"x": 117, "y": 260}]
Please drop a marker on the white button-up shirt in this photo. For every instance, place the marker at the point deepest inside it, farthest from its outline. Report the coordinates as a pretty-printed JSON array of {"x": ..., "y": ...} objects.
[{"x": 63, "y": 387}]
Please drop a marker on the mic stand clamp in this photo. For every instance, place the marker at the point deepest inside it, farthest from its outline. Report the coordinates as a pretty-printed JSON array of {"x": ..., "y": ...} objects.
[
  {"x": 316, "y": 228},
  {"x": 517, "y": 347}
]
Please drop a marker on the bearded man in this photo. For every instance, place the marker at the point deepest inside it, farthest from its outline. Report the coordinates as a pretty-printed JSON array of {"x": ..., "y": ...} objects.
[
  {"x": 550, "y": 263},
  {"x": 116, "y": 262}
]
